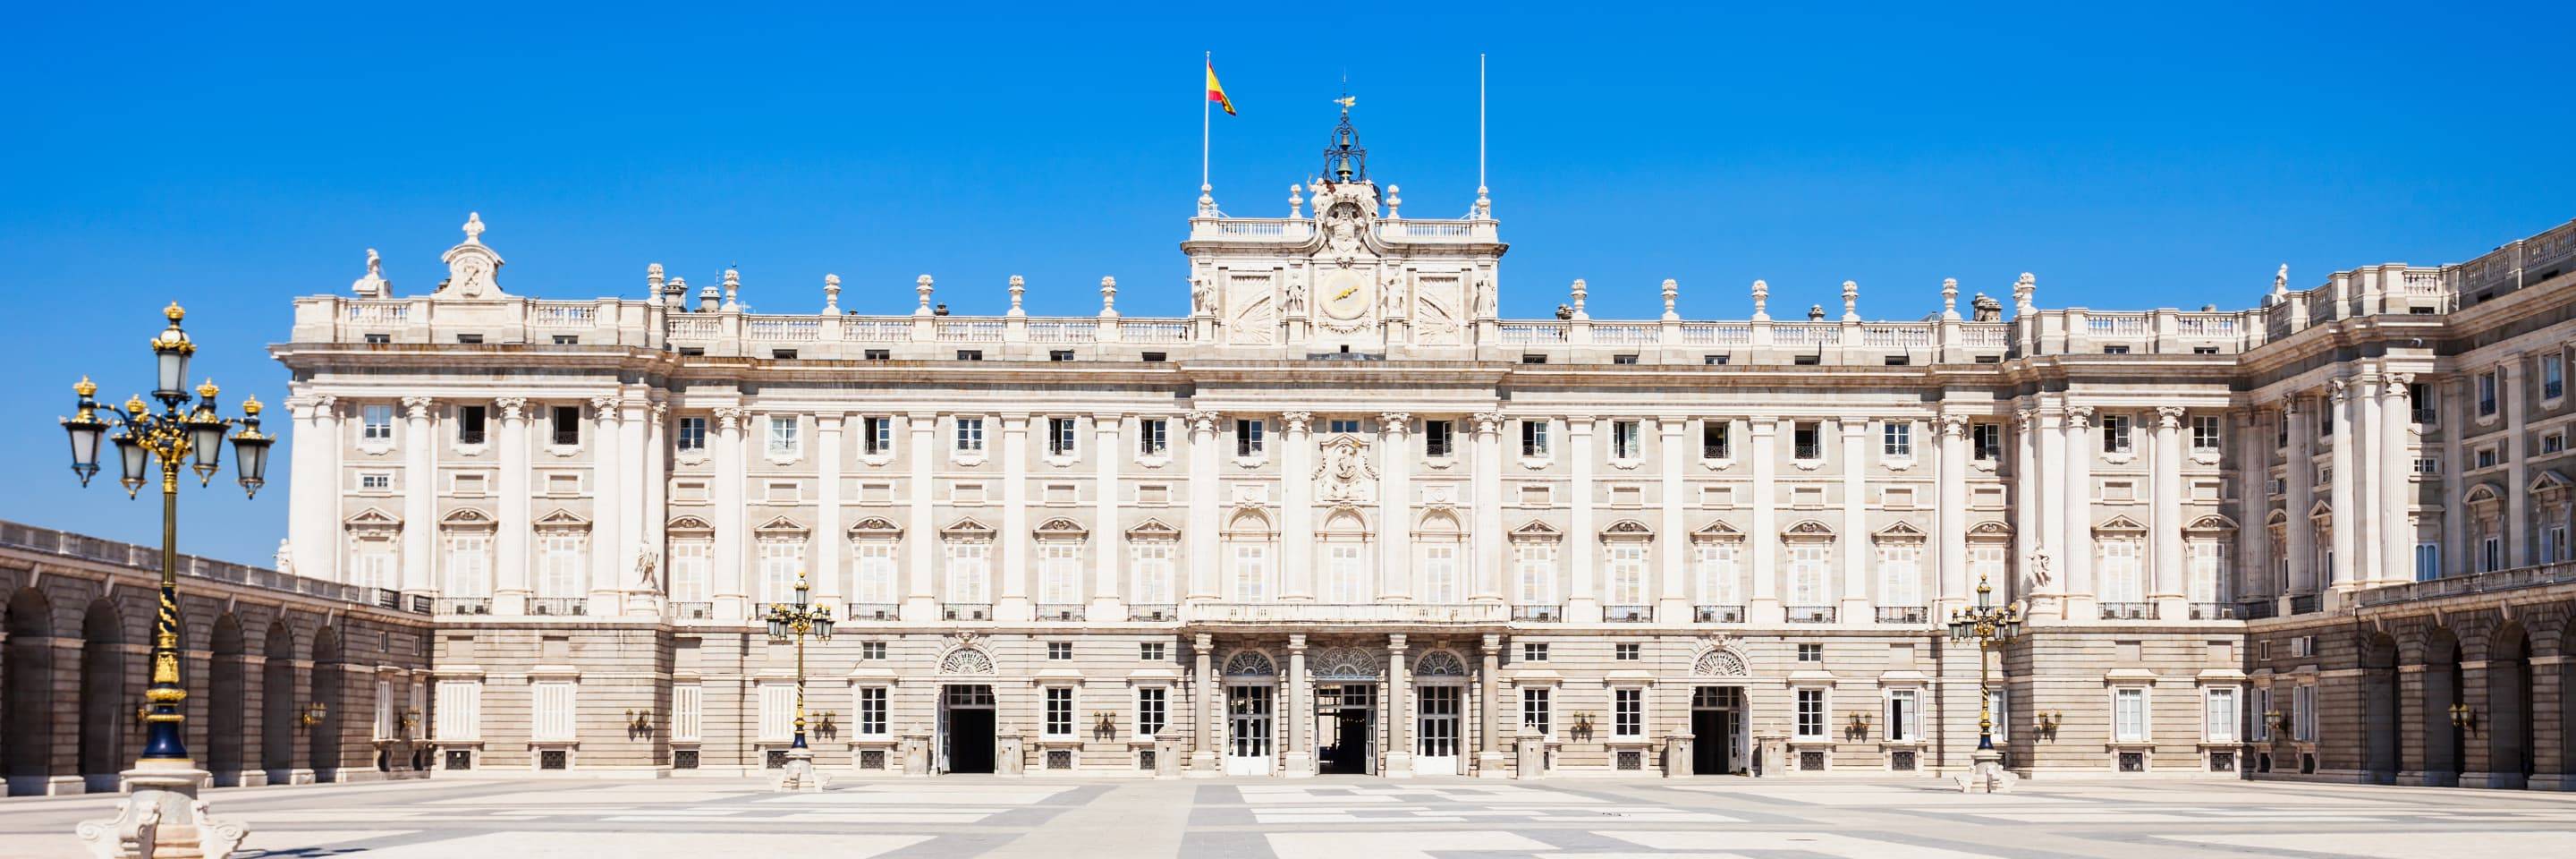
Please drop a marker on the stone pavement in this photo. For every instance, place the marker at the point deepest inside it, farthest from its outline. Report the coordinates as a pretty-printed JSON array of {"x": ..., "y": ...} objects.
[{"x": 1330, "y": 818}]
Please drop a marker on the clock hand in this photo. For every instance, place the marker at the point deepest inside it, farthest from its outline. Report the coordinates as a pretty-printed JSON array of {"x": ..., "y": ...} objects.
[{"x": 1345, "y": 293}]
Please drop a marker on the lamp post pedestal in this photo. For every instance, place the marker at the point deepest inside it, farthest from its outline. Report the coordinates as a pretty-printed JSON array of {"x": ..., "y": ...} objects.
[
  {"x": 1986, "y": 769},
  {"x": 162, "y": 816},
  {"x": 799, "y": 775}
]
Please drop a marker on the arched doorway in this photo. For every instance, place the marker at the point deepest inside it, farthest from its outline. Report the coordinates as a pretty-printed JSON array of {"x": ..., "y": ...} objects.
[
  {"x": 2508, "y": 707},
  {"x": 327, "y": 704},
  {"x": 103, "y": 716},
  {"x": 2382, "y": 705},
  {"x": 2444, "y": 737},
  {"x": 27, "y": 708},
  {"x": 224, "y": 702},
  {"x": 277, "y": 704}
]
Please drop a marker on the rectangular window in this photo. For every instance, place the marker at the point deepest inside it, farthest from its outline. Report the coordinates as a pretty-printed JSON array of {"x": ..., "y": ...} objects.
[
  {"x": 1440, "y": 574},
  {"x": 1536, "y": 716},
  {"x": 376, "y": 423},
  {"x": 1153, "y": 437},
  {"x": 1627, "y": 713},
  {"x": 1624, "y": 440},
  {"x": 2205, "y": 432},
  {"x": 1152, "y": 703},
  {"x": 1153, "y": 565},
  {"x": 872, "y": 650},
  {"x": 1342, "y": 426},
  {"x": 469, "y": 424},
  {"x": 563, "y": 566},
  {"x": 1150, "y": 651},
  {"x": 567, "y": 425},
  {"x": 872, "y": 711},
  {"x": 1904, "y": 719},
  {"x": 2303, "y": 714},
  {"x": 1247, "y": 438},
  {"x": 2428, "y": 561},
  {"x": 1439, "y": 439},
  {"x": 2219, "y": 717},
  {"x": 460, "y": 710},
  {"x": 1811, "y": 714},
  {"x": 1059, "y": 651},
  {"x": 1059, "y": 711},
  {"x": 1060, "y": 437},
  {"x": 1627, "y": 573},
  {"x": 1624, "y": 358},
  {"x": 2129, "y": 715},
  {"x": 1806, "y": 441},
  {"x": 777, "y": 712},
  {"x": 1713, "y": 440},
  {"x": 2115, "y": 434},
  {"x": 1627, "y": 652},
  {"x": 1988, "y": 441},
  {"x": 1251, "y": 572},
  {"x": 782, "y": 435},
  {"x": 2553, "y": 442},
  {"x": 2490, "y": 553},
  {"x": 554, "y": 711},
  {"x": 1996, "y": 699},
  {"x": 876, "y": 354},
  {"x": 2553, "y": 376},
  {"x": 690, "y": 561},
  {"x": 375, "y": 480},
  {"x": 970, "y": 354},
  {"x": 1059, "y": 354},
  {"x": 2485, "y": 457},
  {"x": 688, "y": 711},
  {"x": 2419, "y": 398},
  {"x": 2263, "y": 710},
  {"x": 875, "y": 572},
  {"x": 2487, "y": 383},
  {"x": 970, "y": 435},
  {"x": 692, "y": 434},
  {"x": 1536, "y": 563},
  {"x": 968, "y": 577},
  {"x": 1534, "y": 439},
  {"x": 1719, "y": 577},
  {"x": 1897, "y": 440},
  {"x": 1533, "y": 651},
  {"x": 876, "y": 435},
  {"x": 1811, "y": 653}
]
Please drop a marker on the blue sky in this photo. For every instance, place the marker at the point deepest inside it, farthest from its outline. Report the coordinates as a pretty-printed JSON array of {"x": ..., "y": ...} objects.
[{"x": 2129, "y": 155}]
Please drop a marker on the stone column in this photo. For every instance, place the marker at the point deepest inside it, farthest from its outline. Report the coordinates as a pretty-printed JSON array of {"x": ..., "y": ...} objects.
[
  {"x": 1203, "y": 751},
  {"x": 2080, "y": 451},
  {"x": 1764, "y": 537},
  {"x": 1295, "y": 709},
  {"x": 1488, "y": 504},
  {"x": 2341, "y": 491},
  {"x": 316, "y": 489},
  {"x": 1014, "y": 536},
  {"x": 1203, "y": 563},
  {"x": 1855, "y": 592},
  {"x": 1953, "y": 477},
  {"x": 2396, "y": 480},
  {"x": 2253, "y": 535},
  {"x": 2300, "y": 470},
  {"x": 1109, "y": 540},
  {"x": 1672, "y": 538},
  {"x": 2030, "y": 507},
  {"x": 2165, "y": 515},
  {"x": 2050, "y": 601},
  {"x": 420, "y": 496},
  {"x": 510, "y": 537},
  {"x": 732, "y": 599},
  {"x": 1399, "y": 709},
  {"x": 2364, "y": 435},
  {"x": 607, "y": 528},
  {"x": 921, "y": 535},
  {"x": 1582, "y": 541},
  {"x": 2517, "y": 497},
  {"x": 1490, "y": 760},
  {"x": 654, "y": 512},
  {"x": 830, "y": 541},
  {"x": 1297, "y": 507},
  {"x": 1395, "y": 505}
]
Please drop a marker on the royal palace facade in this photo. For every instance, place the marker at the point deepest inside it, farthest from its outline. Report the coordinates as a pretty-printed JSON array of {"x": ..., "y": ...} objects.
[{"x": 1342, "y": 517}]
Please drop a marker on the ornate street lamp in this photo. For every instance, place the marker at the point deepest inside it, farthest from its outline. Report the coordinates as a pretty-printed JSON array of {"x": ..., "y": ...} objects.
[
  {"x": 1990, "y": 626},
  {"x": 164, "y": 780},
  {"x": 793, "y": 622}
]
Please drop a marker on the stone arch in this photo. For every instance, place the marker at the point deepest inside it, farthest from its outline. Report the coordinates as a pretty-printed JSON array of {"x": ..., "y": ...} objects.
[
  {"x": 1249, "y": 662},
  {"x": 2382, "y": 719},
  {"x": 1720, "y": 662},
  {"x": 103, "y": 714},
  {"x": 28, "y": 679},
  {"x": 1249, "y": 523},
  {"x": 2442, "y": 690},
  {"x": 2508, "y": 716},
  {"x": 329, "y": 702},
  {"x": 1340, "y": 662},
  {"x": 1440, "y": 663},
  {"x": 278, "y": 697},
  {"x": 225, "y": 682},
  {"x": 966, "y": 659}
]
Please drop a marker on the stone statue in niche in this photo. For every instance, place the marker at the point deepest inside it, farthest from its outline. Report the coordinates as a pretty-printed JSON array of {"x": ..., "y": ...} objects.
[
  {"x": 1391, "y": 296},
  {"x": 1296, "y": 301},
  {"x": 648, "y": 565},
  {"x": 1202, "y": 297},
  {"x": 1484, "y": 298}
]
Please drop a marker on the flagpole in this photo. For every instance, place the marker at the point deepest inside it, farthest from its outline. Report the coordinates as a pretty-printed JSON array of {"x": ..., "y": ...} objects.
[
  {"x": 1205, "y": 111},
  {"x": 1480, "y": 123}
]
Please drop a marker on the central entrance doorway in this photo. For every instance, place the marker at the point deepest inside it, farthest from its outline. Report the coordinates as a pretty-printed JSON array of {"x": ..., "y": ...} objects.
[
  {"x": 1437, "y": 751},
  {"x": 966, "y": 729},
  {"x": 1247, "y": 721},
  {"x": 1346, "y": 718},
  {"x": 1717, "y": 730}
]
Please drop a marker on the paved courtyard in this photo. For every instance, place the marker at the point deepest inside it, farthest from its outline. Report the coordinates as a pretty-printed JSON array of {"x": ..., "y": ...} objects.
[{"x": 1330, "y": 818}]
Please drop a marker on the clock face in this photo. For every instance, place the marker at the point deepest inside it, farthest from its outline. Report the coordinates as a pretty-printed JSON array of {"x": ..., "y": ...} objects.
[{"x": 1346, "y": 295}]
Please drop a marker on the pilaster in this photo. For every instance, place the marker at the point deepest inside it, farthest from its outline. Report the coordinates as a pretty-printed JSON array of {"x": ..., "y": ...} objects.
[
  {"x": 420, "y": 495},
  {"x": 1764, "y": 538},
  {"x": 1582, "y": 541},
  {"x": 1395, "y": 506},
  {"x": 510, "y": 539},
  {"x": 920, "y": 594},
  {"x": 1297, "y": 506},
  {"x": 1854, "y": 591},
  {"x": 1014, "y": 536}
]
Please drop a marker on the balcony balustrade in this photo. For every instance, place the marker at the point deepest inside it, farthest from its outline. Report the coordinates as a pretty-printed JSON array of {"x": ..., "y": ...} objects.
[{"x": 1717, "y": 614}]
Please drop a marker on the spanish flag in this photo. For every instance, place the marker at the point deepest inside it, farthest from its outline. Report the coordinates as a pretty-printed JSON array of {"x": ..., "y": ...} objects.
[{"x": 1216, "y": 92}]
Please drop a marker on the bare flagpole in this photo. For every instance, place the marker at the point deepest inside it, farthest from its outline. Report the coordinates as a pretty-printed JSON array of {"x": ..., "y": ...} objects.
[
  {"x": 1208, "y": 63},
  {"x": 1480, "y": 124}
]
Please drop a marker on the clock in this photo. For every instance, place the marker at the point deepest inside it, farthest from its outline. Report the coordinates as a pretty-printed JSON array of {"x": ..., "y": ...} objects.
[{"x": 1347, "y": 296}]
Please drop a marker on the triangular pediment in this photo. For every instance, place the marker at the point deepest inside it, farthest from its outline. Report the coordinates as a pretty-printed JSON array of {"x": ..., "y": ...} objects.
[
  {"x": 2119, "y": 524},
  {"x": 562, "y": 519},
  {"x": 467, "y": 516},
  {"x": 1991, "y": 528},
  {"x": 1628, "y": 528},
  {"x": 1900, "y": 530},
  {"x": 1061, "y": 528},
  {"x": 372, "y": 517},
  {"x": 1536, "y": 530},
  {"x": 780, "y": 526},
  {"x": 688, "y": 526},
  {"x": 1718, "y": 530},
  {"x": 2211, "y": 523},
  {"x": 967, "y": 528},
  {"x": 876, "y": 528},
  {"x": 1153, "y": 529}
]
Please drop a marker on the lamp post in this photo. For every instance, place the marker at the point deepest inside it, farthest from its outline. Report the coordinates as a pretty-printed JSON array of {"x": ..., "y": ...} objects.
[
  {"x": 1989, "y": 626},
  {"x": 793, "y": 622},
  {"x": 162, "y": 814}
]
